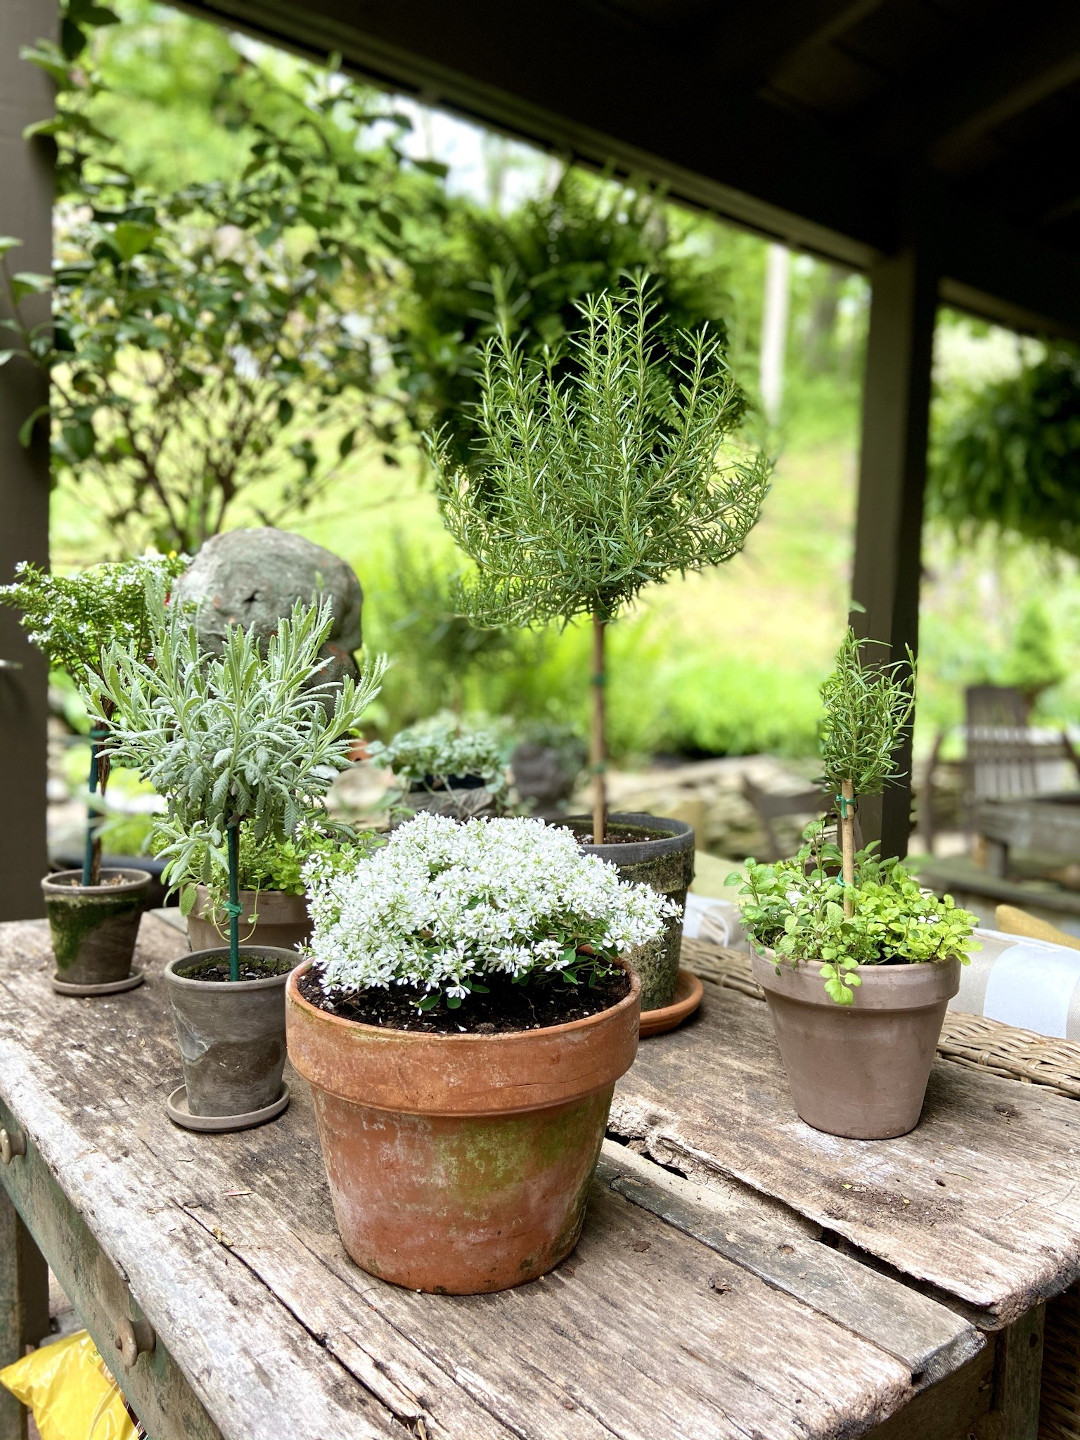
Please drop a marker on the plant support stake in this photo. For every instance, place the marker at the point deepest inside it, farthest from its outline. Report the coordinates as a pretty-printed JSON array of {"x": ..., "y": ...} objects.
[
  {"x": 91, "y": 874},
  {"x": 846, "y": 801},
  {"x": 234, "y": 906},
  {"x": 597, "y": 744}
]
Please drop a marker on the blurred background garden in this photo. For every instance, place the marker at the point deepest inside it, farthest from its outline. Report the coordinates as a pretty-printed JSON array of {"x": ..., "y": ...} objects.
[{"x": 327, "y": 255}]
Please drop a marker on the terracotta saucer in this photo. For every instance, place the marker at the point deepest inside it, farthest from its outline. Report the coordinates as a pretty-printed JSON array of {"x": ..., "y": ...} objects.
[
  {"x": 112, "y": 987},
  {"x": 688, "y": 993},
  {"x": 179, "y": 1114}
]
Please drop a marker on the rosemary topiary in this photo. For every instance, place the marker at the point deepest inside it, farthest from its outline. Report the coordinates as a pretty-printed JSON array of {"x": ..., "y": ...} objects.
[
  {"x": 73, "y": 620},
  {"x": 590, "y": 486},
  {"x": 868, "y": 706},
  {"x": 240, "y": 737}
]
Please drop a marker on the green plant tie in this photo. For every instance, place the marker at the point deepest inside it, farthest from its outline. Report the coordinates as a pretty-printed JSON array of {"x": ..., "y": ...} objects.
[
  {"x": 600, "y": 769},
  {"x": 847, "y": 807},
  {"x": 600, "y": 679}
]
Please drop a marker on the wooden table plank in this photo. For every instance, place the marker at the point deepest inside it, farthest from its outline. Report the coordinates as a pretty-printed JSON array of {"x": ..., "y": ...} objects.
[
  {"x": 981, "y": 1201},
  {"x": 229, "y": 1246}
]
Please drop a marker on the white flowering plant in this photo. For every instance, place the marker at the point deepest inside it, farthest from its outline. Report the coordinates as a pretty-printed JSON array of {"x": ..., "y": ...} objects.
[{"x": 445, "y": 905}]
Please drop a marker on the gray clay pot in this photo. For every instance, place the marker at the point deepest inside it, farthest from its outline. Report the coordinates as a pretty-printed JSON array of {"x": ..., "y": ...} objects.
[
  {"x": 858, "y": 1070},
  {"x": 667, "y": 864},
  {"x": 231, "y": 1035},
  {"x": 283, "y": 921},
  {"x": 94, "y": 927}
]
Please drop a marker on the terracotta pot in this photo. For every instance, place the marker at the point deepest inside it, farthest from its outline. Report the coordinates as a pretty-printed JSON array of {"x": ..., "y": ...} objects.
[
  {"x": 858, "y": 1070},
  {"x": 94, "y": 927},
  {"x": 460, "y": 1163},
  {"x": 667, "y": 864},
  {"x": 283, "y": 921},
  {"x": 231, "y": 1034}
]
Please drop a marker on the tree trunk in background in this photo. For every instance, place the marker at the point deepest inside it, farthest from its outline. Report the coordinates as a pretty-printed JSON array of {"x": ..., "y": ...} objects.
[
  {"x": 774, "y": 326},
  {"x": 822, "y": 324},
  {"x": 26, "y": 197}
]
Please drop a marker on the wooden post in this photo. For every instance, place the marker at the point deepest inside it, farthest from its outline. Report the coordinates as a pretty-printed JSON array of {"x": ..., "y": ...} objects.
[
  {"x": 847, "y": 843},
  {"x": 597, "y": 736},
  {"x": 24, "y": 1306},
  {"x": 892, "y": 479},
  {"x": 26, "y": 196}
]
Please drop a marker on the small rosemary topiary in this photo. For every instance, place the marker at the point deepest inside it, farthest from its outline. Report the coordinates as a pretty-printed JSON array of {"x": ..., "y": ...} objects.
[
  {"x": 239, "y": 737},
  {"x": 588, "y": 487},
  {"x": 73, "y": 619},
  {"x": 868, "y": 706}
]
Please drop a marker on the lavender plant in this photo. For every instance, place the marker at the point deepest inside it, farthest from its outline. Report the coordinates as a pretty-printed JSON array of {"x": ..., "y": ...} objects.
[{"x": 241, "y": 738}]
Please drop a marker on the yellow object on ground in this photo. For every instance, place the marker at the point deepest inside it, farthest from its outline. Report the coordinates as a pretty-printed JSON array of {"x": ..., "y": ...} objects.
[
  {"x": 69, "y": 1392},
  {"x": 1018, "y": 922}
]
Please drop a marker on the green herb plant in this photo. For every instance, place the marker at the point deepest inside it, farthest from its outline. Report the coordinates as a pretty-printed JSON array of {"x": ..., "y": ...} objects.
[
  {"x": 803, "y": 910},
  {"x": 277, "y": 864},
  {"x": 587, "y": 486},
  {"x": 240, "y": 738},
  {"x": 73, "y": 620},
  {"x": 868, "y": 707},
  {"x": 432, "y": 754}
]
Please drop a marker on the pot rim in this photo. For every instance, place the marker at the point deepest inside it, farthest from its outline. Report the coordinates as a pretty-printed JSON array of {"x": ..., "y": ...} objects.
[
  {"x": 679, "y": 836},
  {"x": 428, "y": 1036},
  {"x": 267, "y": 982},
  {"x": 52, "y": 884},
  {"x": 913, "y": 986}
]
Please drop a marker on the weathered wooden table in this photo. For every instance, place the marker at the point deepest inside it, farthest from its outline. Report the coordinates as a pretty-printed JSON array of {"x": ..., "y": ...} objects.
[{"x": 793, "y": 1286}]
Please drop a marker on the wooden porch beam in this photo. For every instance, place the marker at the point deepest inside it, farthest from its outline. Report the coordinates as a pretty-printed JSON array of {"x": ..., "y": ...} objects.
[
  {"x": 26, "y": 196},
  {"x": 892, "y": 479}
]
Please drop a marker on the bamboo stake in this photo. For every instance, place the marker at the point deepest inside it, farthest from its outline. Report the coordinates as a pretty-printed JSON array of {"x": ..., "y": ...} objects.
[
  {"x": 847, "y": 843},
  {"x": 597, "y": 740},
  {"x": 234, "y": 907}
]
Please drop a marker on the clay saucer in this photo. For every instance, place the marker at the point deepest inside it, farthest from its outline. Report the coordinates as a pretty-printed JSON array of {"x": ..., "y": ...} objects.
[
  {"x": 687, "y": 998},
  {"x": 111, "y": 987},
  {"x": 179, "y": 1114}
]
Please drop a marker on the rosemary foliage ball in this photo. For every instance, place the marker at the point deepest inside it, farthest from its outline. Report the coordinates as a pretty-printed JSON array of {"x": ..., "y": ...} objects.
[
  {"x": 591, "y": 484},
  {"x": 443, "y": 905},
  {"x": 868, "y": 706}
]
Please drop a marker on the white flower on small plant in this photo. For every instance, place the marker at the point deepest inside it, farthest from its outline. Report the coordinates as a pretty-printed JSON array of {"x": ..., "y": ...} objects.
[{"x": 443, "y": 904}]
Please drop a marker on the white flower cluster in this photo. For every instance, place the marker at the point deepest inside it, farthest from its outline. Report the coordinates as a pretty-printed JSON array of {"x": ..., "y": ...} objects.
[{"x": 443, "y": 903}]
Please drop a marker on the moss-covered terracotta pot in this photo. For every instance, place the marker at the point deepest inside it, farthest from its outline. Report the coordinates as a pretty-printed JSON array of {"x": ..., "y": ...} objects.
[
  {"x": 666, "y": 862},
  {"x": 460, "y": 1164},
  {"x": 283, "y": 921},
  {"x": 231, "y": 1034},
  {"x": 94, "y": 927}
]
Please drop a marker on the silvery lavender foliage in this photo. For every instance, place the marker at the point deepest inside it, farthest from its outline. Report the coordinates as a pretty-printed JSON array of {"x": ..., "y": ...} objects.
[
  {"x": 444, "y": 904},
  {"x": 244, "y": 736}
]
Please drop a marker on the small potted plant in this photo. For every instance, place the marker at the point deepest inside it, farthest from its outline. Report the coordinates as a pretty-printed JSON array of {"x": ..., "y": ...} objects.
[
  {"x": 447, "y": 766},
  {"x": 241, "y": 739},
  {"x": 857, "y": 962},
  {"x": 93, "y": 913},
  {"x": 463, "y": 1018},
  {"x": 272, "y": 894},
  {"x": 587, "y": 488}
]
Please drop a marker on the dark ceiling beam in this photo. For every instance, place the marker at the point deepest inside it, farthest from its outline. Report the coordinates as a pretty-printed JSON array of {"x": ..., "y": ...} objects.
[
  {"x": 754, "y": 42},
  {"x": 601, "y": 99},
  {"x": 566, "y": 77},
  {"x": 1028, "y": 53}
]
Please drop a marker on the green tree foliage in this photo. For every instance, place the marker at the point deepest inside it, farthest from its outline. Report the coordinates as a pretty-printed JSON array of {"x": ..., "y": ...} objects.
[
  {"x": 206, "y": 344},
  {"x": 592, "y": 484},
  {"x": 528, "y": 272},
  {"x": 1009, "y": 458}
]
